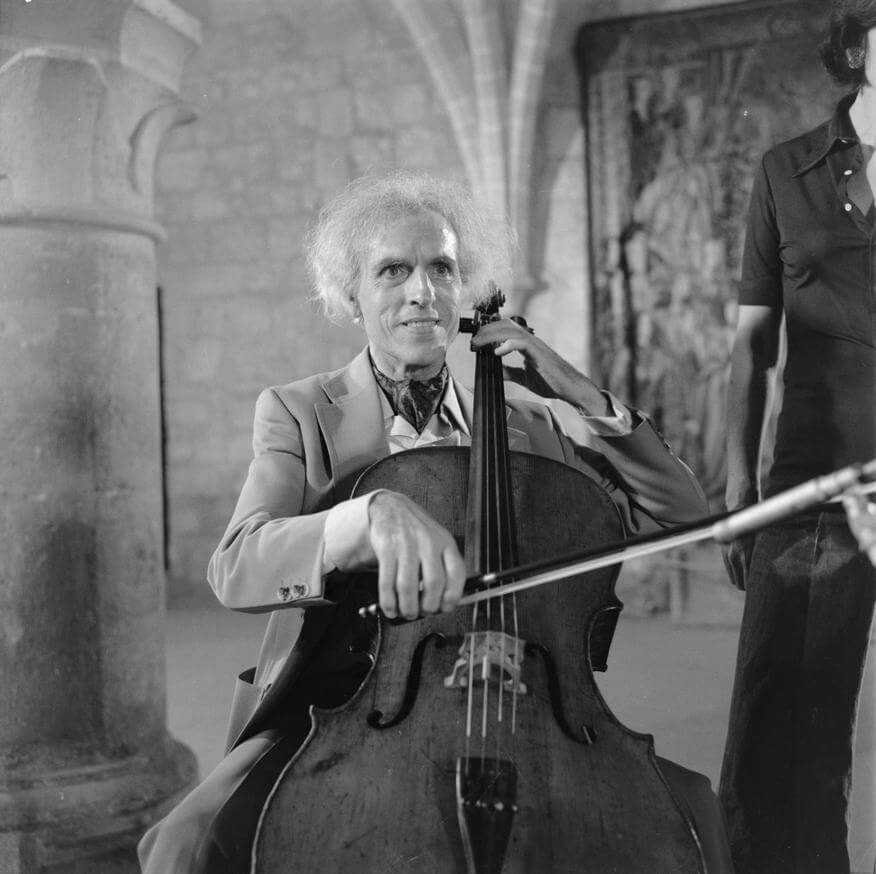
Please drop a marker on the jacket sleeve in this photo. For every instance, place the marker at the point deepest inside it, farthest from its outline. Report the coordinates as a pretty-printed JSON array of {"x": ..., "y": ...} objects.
[
  {"x": 271, "y": 555},
  {"x": 650, "y": 485}
]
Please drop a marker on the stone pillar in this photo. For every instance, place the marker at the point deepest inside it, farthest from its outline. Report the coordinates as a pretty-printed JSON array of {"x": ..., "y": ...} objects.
[{"x": 87, "y": 91}]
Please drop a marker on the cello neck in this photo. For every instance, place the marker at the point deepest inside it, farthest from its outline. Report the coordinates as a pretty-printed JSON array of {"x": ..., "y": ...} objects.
[{"x": 490, "y": 542}]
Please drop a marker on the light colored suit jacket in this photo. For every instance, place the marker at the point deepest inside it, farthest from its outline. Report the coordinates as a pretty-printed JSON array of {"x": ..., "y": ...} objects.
[{"x": 312, "y": 439}]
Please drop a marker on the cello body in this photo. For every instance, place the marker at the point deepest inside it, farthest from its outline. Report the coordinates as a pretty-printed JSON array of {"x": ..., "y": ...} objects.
[{"x": 563, "y": 786}]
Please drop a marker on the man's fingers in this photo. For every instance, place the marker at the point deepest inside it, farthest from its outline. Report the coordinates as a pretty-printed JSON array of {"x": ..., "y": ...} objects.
[
  {"x": 735, "y": 563},
  {"x": 420, "y": 569},
  {"x": 510, "y": 345},
  {"x": 454, "y": 566},
  {"x": 407, "y": 584},
  {"x": 502, "y": 329},
  {"x": 433, "y": 579},
  {"x": 386, "y": 576}
]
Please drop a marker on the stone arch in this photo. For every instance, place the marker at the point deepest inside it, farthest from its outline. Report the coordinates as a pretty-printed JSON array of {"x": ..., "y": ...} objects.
[{"x": 490, "y": 85}]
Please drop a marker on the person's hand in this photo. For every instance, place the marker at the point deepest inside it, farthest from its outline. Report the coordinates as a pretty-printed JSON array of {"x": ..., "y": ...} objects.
[
  {"x": 737, "y": 559},
  {"x": 420, "y": 569},
  {"x": 544, "y": 372}
]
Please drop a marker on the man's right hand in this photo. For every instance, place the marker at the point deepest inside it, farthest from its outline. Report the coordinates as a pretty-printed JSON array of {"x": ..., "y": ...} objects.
[
  {"x": 737, "y": 559},
  {"x": 420, "y": 568}
]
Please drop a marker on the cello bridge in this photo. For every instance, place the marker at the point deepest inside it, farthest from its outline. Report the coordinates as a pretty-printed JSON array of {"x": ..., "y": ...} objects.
[{"x": 489, "y": 656}]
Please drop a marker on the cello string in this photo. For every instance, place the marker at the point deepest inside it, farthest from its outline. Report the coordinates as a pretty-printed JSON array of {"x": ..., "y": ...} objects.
[
  {"x": 502, "y": 656},
  {"x": 479, "y": 555},
  {"x": 518, "y": 663},
  {"x": 496, "y": 434},
  {"x": 485, "y": 678},
  {"x": 507, "y": 539},
  {"x": 492, "y": 524},
  {"x": 469, "y": 710},
  {"x": 502, "y": 535},
  {"x": 490, "y": 519},
  {"x": 488, "y": 531},
  {"x": 503, "y": 653}
]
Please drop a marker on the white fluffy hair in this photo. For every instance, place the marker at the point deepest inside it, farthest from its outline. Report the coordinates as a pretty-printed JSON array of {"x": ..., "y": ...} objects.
[{"x": 347, "y": 225}]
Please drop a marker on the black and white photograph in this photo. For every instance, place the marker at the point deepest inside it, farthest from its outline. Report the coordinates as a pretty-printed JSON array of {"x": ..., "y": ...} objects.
[{"x": 437, "y": 436}]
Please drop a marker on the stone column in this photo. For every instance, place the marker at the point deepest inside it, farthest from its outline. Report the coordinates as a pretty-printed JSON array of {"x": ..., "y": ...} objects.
[{"x": 87, "y": 91}]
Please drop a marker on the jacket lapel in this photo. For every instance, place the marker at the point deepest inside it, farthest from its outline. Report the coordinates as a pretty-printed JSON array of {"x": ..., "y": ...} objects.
[
  {"x": 352, "y": 423},
  {"x": 466, "y": 402}
]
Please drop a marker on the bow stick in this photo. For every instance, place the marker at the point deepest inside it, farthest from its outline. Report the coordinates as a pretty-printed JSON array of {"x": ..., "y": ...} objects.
[{"x": 722, "y": 527}]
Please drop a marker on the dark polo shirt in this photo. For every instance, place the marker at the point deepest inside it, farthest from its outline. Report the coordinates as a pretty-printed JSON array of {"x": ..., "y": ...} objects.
[{"x": 811, "y": 251}]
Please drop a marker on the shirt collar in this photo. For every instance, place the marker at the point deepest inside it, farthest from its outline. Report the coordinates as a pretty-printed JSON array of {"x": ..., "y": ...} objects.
[{"x": 837, "y": 133}]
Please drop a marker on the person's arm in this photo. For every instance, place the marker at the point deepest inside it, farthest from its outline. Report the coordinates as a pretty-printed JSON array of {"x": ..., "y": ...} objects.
[
  {"x": 273, "y": 555},
  {"x": 755, "y": 349},
  {"x": 659, "y": 489},
  {"x": 652, "y": 487}
]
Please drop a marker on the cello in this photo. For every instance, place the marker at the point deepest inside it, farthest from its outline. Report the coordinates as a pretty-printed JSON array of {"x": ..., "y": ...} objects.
[{"x": 478, "y": 742}]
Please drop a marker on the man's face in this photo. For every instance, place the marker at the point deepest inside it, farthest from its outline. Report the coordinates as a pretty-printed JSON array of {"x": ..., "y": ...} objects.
[{"x": 409, "y": 295}]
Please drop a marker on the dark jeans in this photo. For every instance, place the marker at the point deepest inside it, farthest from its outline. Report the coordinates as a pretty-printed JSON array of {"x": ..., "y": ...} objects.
[{"x": 786, "y": 776}]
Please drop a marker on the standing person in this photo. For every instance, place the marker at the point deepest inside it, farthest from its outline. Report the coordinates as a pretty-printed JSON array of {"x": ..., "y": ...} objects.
[
  {"x": 809, "y": 257},
  {"x": 400, "y": 255}
]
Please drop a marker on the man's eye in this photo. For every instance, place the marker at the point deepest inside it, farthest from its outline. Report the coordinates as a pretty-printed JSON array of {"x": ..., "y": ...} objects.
[
  {"x": 394, "y": 271},
  {"x": 443, "y": 269}
]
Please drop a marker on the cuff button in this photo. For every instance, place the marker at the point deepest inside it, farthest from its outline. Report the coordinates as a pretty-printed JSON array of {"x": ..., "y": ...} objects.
[{"x": 283, "y": 593}]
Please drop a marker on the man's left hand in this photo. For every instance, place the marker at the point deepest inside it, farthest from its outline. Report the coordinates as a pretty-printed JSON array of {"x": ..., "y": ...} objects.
[{"x": 544, "y": 372}]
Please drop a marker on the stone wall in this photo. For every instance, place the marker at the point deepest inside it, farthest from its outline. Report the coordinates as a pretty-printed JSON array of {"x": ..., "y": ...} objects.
[{"x": 294, "y": 99}]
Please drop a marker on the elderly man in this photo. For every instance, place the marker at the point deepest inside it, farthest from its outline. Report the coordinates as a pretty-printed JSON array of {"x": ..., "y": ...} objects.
[{"x": 400, "y": 255}]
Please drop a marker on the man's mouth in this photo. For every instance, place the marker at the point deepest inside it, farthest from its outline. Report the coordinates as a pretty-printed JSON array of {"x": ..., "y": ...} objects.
[{"x": 420, "y": 323}]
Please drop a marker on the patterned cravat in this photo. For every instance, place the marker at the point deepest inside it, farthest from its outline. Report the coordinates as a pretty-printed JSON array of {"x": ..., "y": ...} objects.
[{"x": 415, "y": 401}]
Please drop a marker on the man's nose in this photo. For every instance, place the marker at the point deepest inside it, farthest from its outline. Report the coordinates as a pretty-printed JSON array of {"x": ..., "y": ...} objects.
[{"x": 422, "y": 291}]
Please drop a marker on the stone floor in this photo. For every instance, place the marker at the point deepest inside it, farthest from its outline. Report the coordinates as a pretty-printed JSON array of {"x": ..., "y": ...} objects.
[{"x": 671, "y": 680}]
